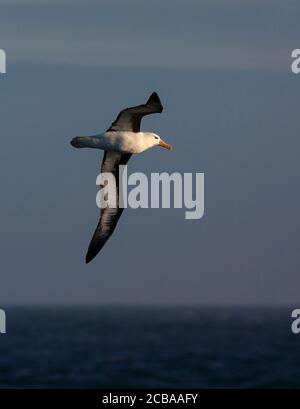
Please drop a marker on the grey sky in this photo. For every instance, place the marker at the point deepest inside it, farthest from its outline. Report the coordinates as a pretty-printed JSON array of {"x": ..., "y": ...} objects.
[
  {"x": 222, "y": 69},
  {"x": 173, "y": 34}
]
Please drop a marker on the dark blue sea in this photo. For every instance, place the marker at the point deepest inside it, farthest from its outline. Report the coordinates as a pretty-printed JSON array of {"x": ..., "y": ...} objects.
[{"x": 149, "y": 347}]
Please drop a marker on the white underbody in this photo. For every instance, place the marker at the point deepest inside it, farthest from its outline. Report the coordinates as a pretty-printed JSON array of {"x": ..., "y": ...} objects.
[
  {"x": 121, "y": 141},
  {"x": 131, "y": 142}
]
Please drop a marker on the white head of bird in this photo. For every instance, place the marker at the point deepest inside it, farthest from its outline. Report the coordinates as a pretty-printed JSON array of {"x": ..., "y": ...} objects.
[{"x": 151, "y": 139}]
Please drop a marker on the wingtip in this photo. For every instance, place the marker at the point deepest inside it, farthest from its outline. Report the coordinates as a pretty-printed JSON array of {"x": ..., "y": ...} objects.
[
  {"x": 89, "y": 257},
  {"x": 91, "y": 254},
  {"x": 154, "y": 99}
]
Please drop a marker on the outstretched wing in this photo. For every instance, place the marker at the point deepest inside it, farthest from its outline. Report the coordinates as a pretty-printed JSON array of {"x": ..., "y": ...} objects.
[
  {"x": 129, "y": 119},
  {"x": 109, "y": 216}
]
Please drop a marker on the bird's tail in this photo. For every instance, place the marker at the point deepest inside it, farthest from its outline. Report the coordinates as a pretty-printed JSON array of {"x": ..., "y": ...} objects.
[{"x": 85, "y": 142}]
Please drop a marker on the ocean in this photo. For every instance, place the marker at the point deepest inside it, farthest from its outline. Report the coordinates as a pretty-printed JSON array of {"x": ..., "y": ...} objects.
[{"x": 149, "y": 347}]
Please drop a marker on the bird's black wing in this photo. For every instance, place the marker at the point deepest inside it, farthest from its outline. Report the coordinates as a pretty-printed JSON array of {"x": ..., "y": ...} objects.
[
  {"x": 109, "y": 216},
  {"x": 129, "y": 119}
]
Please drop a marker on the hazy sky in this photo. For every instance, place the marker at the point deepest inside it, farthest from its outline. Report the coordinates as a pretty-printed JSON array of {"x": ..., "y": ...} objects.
[{"x": 222, "y": 69}]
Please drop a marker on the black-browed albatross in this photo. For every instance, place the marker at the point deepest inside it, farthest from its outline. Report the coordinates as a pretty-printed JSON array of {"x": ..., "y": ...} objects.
[{"x": 119, "y": 142}]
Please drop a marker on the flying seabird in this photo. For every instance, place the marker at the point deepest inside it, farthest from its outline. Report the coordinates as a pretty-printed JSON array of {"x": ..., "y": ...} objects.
[{"x": 119, "y": 142}]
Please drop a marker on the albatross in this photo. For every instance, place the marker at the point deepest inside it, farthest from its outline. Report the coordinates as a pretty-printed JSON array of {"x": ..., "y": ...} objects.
[{"x": 122, "y": 139}]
